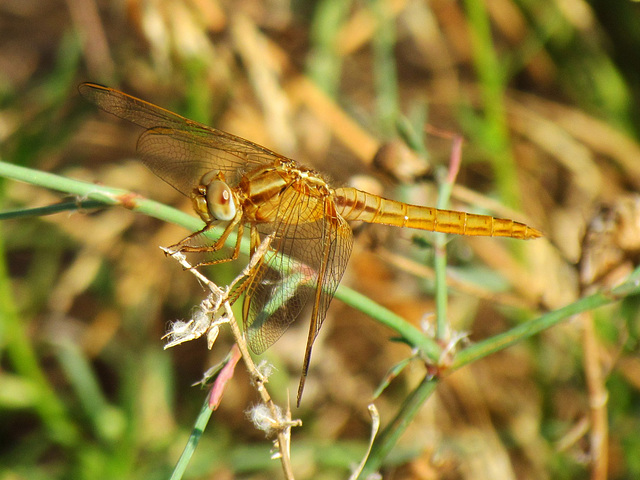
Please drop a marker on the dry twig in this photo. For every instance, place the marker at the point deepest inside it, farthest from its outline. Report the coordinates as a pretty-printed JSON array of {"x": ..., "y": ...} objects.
[{"x": 214, "y": 311}]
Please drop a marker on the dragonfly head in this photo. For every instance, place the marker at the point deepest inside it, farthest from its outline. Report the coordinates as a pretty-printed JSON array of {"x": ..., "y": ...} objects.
[{"x": 213, "y": 199}]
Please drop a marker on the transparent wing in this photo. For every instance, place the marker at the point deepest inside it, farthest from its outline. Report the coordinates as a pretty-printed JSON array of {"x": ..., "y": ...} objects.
[
  {"x": 181, "y": 157},
  {"x": 177, "y": 149},
  {"x": 310, "y": 254}
]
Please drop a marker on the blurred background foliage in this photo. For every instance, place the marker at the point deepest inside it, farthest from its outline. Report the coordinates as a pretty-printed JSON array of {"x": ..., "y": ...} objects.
[{"x": 546, "y": 95}]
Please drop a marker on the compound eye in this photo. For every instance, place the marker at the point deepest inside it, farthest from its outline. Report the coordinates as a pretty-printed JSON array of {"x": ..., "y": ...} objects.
[{"x": 220, "y": 201}]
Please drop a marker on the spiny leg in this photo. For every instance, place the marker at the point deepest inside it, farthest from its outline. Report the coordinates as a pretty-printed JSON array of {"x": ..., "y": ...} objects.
[
  {"x": 254, "y": 245},
  {"x": 220, "y": 243},
  {"x": 255, "y": 240},
  {"x": 183, "y": 247}
]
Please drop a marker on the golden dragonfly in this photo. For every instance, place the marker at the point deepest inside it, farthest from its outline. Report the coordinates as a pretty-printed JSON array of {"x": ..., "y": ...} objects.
[{"x": 236, "y": 182}]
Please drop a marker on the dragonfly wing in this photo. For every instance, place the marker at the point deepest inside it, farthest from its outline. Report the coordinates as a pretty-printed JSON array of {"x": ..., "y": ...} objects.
[
  {"x": 336, "y": 244},
  {"x": 182, "y": 157},
  {"x": 190, "y": 150},
  {"x": 133, "y": 109},
  {"x": 293, "y": 273}
]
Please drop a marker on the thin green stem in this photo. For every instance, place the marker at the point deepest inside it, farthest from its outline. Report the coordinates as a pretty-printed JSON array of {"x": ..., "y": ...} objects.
[
  {"x": 199, "y": 427},
  {"x": 407, "y": 332},
  {"x": 440, "y": 260},
  {"x": 528, "y": 329},
  {"x": 100, "y": 193},
  {"x": 51, "y": 209}
]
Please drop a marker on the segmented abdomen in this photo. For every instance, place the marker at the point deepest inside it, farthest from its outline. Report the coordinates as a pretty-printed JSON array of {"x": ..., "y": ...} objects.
[{"x": 354, "y": 204}]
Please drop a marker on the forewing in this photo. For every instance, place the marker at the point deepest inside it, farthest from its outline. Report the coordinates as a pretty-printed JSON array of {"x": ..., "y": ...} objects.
[
  {"x": 182, "y": 157},
  {"x": 133, "y": 109},
  {"x": 288, "y": 279},
  {"x": 177, "y": 149}
]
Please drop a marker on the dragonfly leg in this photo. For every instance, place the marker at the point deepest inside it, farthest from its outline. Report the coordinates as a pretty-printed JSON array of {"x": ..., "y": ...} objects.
[
  {"x": 220, "y": 243},
  {"x": 255, "y": 243},
  {"x": 255, "y": 240},
  {"x": 183, "y": 245}
]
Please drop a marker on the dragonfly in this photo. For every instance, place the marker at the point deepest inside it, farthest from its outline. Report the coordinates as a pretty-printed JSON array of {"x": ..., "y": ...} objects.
[{"x": 235, "y": 183}]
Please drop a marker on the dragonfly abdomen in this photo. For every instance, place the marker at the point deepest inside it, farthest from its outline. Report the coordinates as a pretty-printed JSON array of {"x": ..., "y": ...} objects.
[{"x": 356, "y": 205}]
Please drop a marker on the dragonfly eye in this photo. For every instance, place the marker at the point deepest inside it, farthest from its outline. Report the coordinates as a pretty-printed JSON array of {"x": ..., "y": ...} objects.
[{"x": 220, "y": 201}]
